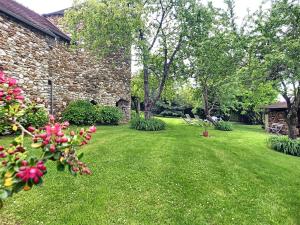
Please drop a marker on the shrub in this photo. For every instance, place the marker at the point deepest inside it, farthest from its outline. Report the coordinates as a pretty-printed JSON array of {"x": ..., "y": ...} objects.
[
  {"x": 35, "y": 116},
  {"x": 80, "y": 112},
  {"x": 108, "y": 115},
  {"x": 285, "y": 144},
  {"x": 168, "y": 113},
  {"x": 152, "y": 124},
  {"x": 224, "y": 125}
]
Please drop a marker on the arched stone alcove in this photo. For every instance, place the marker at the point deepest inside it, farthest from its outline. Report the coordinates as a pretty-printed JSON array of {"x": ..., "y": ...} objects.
[{"x": 124, "y": 105}]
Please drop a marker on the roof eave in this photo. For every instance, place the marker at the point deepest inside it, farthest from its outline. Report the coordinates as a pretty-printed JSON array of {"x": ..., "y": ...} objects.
[{"x": 48, "y": 32}]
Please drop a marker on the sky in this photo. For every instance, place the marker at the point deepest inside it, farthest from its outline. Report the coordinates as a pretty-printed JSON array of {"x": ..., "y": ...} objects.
[{"x": 47, "y": 6}]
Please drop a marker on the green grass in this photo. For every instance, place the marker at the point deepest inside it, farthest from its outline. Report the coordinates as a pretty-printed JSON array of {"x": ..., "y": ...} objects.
[{"x": 169, "y": 177}]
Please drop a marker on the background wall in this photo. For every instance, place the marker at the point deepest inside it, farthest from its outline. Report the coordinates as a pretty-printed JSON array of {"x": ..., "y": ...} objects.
[{"x": 38, "y": 61}]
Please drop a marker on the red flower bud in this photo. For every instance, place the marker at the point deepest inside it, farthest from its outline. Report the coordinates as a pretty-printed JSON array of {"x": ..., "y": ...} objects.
[
  {"x": 2, "y": 155},
  {"x": 36, "y": 180},
  {"x": 24, "y": 163},
  {"x": 1, "y": 148},
  {"x": 52, "y": 148},
  {"x": 92, "y": 129},
  {"x": 64, "y": 140},
  {"x": 81, "y": 132},
  {"x": 88, "y": 137},
  {"x": 31, "y": 129}
]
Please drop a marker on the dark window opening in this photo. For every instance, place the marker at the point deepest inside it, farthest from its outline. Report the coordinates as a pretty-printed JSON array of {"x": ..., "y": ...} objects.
[{"x": 50, "y": 83}]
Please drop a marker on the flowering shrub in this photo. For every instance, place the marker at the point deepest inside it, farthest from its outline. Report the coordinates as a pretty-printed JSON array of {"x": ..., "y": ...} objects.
[{"x": 18, "y": 169}]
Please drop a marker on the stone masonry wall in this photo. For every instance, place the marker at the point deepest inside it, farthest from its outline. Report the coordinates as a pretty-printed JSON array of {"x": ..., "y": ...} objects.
[{"x": 35, "y": 59}]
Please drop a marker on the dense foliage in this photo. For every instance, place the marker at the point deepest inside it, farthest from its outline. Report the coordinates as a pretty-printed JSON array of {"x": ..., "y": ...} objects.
[
  {"x": 80, "y": 112},
  {"x": 273, "y": 54},
  {"x": 35, "y": 116},
  {"x": 285, "y": 145},
  {"x": 108, "y": 115},
  {"x": 153, "y": 124},
  {"x": 21, "y": 170},
  {"x": 223, "y": 125}
]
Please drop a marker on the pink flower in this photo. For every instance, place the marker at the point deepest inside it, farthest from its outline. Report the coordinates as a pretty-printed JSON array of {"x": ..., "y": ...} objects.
[
  {"x": 34, "y": 172},
  {"x": 12, "y": 82},
  {"x": 19, "y": 97},
  {"x": 17, "y": 91},
  {"x": 66, "y": 124},
  {"x": 52, "y": 118},
  {"x": 2, "y": 77},
  {"x": 60, "y": 134},
  {"x": 8, "y": 98},
  {"x": 92, "y": 129}
]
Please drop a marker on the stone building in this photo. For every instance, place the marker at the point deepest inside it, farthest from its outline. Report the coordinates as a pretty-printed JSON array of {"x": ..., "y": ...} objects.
[{"x": 35, "y": 51}]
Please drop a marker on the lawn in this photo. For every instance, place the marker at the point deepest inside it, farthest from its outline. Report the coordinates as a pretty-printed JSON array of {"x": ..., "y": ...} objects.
[{"x": 169, "y": 177}]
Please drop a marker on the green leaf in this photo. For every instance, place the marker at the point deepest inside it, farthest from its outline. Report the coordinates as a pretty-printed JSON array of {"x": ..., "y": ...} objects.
[
  {"x": 3, "y": 194},
  {"x": 60, "y": 167},
  {"x": 80, "y": 155},
  {"x": 36, "y": 145},
  {"x": 57, "y": 155}
]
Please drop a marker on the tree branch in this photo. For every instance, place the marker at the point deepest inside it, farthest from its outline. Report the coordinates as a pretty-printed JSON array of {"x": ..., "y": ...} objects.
[{"x": 159, "y": 27}]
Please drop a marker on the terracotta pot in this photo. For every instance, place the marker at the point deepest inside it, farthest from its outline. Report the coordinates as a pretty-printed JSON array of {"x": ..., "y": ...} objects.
[{"x": 205, "y": 133}]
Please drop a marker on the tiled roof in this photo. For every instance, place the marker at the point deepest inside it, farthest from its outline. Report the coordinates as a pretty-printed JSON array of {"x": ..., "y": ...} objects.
[
  {"x": 278, "y": 105},
  {"x": 31, "y": 18}
]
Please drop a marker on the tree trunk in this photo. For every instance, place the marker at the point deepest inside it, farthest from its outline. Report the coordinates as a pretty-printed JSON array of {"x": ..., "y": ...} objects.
[
  {"x": 147, "y": 99},
  {"x": 206, "y": 106},
  {"x": 147, "y": 112},
  {"x": 137, "y": 106},
  {"x": 145, "y": 60},
  {"x": 292, "y": 112},
  {"x": 292, "y": 122}
]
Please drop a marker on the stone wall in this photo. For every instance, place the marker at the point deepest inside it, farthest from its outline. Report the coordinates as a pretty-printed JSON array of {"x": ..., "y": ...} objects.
[{"x": 41, "y": 63}]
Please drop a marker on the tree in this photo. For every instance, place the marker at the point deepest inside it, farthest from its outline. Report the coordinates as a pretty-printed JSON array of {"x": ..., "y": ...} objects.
[
  {"x": 155, "y": 27},
  {"x": 213, "y": 55},
  {"x": 274, "y": 54},
  {"x": 137, "y": 89}
]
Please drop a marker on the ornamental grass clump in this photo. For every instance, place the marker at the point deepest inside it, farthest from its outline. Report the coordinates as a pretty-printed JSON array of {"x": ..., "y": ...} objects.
[
  {"x": 21, "y": 170},
  {"x": 153, "y": 124},
  {"x": 224, "y": 126},
  {"x": 285, "y": 145}
]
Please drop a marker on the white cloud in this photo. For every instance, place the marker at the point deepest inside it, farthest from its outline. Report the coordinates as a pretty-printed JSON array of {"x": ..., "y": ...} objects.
[{"x": 47, "y": 6}]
